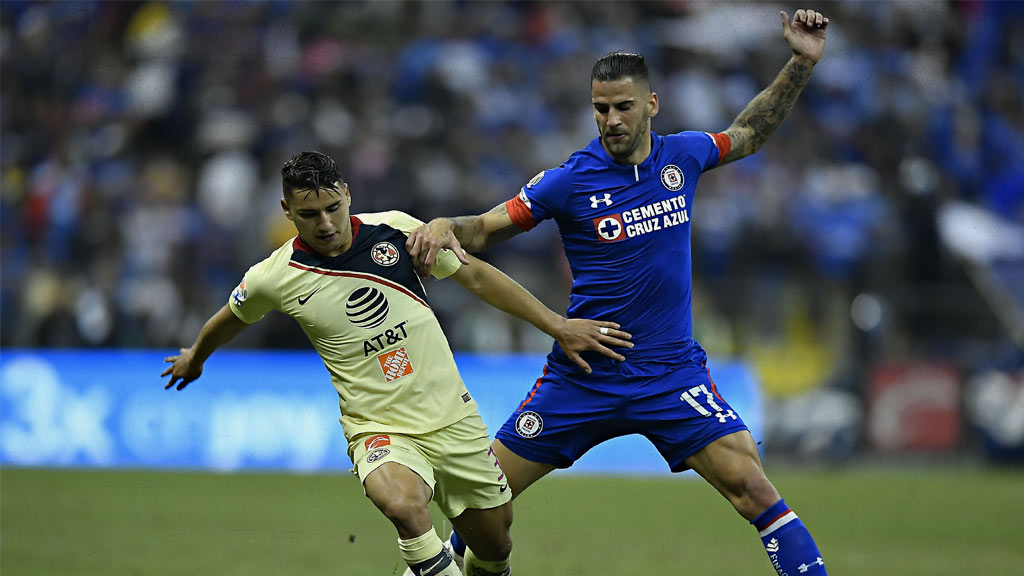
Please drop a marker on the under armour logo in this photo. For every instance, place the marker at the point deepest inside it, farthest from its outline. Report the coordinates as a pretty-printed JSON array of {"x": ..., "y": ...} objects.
[
  {"x": 773, "y": 546},
  {"x": 805, "y": 567},
  {"x": 728, "y": 414},
  {"x": 594, "y": 200}
]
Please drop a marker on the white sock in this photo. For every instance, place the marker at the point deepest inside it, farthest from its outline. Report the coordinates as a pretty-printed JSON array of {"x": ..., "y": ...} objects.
[
  {"x": 427, "y": 556},
  {"x": 477, "y": 567}
]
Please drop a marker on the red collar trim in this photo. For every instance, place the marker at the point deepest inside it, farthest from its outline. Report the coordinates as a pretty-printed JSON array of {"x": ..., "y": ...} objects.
[
  {"x": 355, "y": 227},
  {"x": 298, "y": 244}
]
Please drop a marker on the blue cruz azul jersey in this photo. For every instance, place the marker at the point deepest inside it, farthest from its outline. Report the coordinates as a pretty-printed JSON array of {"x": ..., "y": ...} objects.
[{"x": 626, "y": 233}]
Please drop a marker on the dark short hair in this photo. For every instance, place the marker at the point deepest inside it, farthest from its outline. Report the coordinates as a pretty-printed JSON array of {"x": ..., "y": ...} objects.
[
  {"x": 617, "y": 65},
  {"x": 310, "y": 171}
]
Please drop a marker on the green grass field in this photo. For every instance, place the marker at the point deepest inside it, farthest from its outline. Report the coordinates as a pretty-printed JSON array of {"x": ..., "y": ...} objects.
[{"x": 926, "y": 522}]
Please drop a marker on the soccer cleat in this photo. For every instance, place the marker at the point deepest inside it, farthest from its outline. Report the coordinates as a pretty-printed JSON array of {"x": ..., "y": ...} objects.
[{"x": 459, "y": 559}]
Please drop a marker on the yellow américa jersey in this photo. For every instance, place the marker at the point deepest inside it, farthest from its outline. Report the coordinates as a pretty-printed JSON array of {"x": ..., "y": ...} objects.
[{"x": 366, "y": 314}]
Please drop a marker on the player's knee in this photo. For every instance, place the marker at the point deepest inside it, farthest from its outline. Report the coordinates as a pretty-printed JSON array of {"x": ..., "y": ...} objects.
[
  {"x": 761, "y": 491},
  {"x": 754, "y": 493},
  {"x": 495, "y": 549},
  {"x": 505, "y": 548},
  {"x": 501, "y": 548},
  {"x": 492, "y": 540}
]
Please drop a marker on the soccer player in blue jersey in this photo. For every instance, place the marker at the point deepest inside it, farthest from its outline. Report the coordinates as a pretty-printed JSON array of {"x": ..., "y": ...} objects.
[{"x": 623, "y": 206}]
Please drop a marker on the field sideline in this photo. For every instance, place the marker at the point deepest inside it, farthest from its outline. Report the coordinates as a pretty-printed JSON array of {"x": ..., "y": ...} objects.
[{"x": 925, "y": 522}]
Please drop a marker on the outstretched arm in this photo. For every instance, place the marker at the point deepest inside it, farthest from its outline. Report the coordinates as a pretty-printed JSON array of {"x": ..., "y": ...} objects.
[
  {"x": 806, "y": 36},
  {"x": 460, "y": 234},
  {"x": 574, "y": 336},
  {"x": 188, "y": 364}
]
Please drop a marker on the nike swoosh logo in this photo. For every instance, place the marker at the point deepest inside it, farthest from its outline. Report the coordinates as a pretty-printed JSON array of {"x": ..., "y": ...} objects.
[
  {"x": 302, "y": 301},
  {"x": 503, "y": 488},
  {"x": 429, "y": 570}
]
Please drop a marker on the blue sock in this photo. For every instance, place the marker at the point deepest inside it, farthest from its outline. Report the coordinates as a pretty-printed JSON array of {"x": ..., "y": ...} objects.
[
  {"x": 458, "y": 544},
  {"x": 788, "y": 543}
]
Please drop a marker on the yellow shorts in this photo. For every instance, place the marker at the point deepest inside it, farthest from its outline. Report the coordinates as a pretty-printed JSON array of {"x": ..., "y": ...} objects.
[{"x": 455, "y": 461}]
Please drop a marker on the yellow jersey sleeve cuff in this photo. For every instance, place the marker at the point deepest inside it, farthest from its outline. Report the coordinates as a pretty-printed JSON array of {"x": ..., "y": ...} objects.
[{"x": 446, "y": 264}]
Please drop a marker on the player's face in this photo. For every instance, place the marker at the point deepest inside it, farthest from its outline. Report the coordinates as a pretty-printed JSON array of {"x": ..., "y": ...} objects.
[
  {"x": 623, "y": 111},
  {"x": 321, "y": 219}
]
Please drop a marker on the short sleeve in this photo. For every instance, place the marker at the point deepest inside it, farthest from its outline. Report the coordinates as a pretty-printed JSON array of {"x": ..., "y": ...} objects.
[
  {"x": 705, "y": 148},
  {"x": 720, "y": 146},
  {"x": 539, "y": 199},
  {"x": 446, "y": 264},
  {"x": 251, "y": 299}
]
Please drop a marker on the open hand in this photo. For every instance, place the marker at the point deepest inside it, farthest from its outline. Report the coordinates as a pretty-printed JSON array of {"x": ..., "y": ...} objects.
[
  {"x": 181, "y": 368},
  {"x": 579, "y": 335}
]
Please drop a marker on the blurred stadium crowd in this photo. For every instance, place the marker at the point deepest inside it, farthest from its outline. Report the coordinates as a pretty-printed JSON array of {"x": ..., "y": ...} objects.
[{"x": 142, "y": 142}]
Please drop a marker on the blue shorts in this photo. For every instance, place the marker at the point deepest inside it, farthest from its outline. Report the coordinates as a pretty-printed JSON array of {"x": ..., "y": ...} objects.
[{"x": 568, "y": 412}]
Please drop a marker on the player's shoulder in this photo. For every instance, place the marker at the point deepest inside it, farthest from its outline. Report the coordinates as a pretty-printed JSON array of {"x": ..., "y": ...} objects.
[
  {"x": 283, "y": 253},
  {"x": 687, "y": 140},
  {"x": 562, "y": 175},
  {"x": 548, "y": 181},
  {"x": 392, "y": 218},
  {"x": 699, "y": 146},
  {"x": 705, "y": 148}
]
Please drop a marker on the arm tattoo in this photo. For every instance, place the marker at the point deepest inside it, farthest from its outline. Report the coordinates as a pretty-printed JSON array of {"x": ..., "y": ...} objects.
[
  {"x": 474, "y": 233},
  {"x": 766, "y": 111},
  {"x": 465, "y": 230}
]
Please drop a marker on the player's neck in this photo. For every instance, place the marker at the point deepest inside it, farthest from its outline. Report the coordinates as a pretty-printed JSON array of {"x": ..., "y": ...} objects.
[{"x": 343, "y": 247}]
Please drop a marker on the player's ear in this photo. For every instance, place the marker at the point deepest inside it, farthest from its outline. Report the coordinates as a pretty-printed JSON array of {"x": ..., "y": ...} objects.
[
  {"x": 287, "y": 212},
  {"x": 652, "y": 105}
]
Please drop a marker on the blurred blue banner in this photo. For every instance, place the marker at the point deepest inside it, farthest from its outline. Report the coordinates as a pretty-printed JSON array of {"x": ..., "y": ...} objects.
[{"x": 250, "y": 410}]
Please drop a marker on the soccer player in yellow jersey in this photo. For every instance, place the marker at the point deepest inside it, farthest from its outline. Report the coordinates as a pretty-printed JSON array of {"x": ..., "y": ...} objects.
[{"x": 412, "y": 427}]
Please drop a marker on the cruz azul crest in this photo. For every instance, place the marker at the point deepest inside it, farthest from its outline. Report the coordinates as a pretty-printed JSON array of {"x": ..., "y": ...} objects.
[{"x": 672, "y": 177}]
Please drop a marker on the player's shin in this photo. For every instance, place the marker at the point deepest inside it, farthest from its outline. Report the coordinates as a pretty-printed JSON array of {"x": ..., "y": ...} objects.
[
  {"x": 788, "y": 543},
  {"x": 477, "y": 567},
  {"x": 427, "y": 556}
]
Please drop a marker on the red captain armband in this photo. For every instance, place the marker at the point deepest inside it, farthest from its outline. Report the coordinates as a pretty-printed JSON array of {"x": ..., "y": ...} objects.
[
  {"x": 519, "y": 211},
  {"x": 723, "y": 143}
]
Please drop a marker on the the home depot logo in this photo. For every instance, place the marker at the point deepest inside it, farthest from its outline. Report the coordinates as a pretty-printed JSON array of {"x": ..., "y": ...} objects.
[{"x": 395, "y": 364}]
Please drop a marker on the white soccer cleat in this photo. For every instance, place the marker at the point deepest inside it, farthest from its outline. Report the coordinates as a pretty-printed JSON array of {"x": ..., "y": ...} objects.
[{"x": 459, "y": 560}]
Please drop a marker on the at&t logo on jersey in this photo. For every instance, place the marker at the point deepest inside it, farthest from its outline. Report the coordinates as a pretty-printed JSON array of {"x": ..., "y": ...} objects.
[
  {"x": 367, "y": 307},
  {"x": 384, "y": 253},
  {"x": 386, "y": 338}
]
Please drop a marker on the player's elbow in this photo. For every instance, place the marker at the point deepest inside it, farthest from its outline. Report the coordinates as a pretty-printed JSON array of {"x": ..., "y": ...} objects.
[{"x": 470, "y": 278}]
